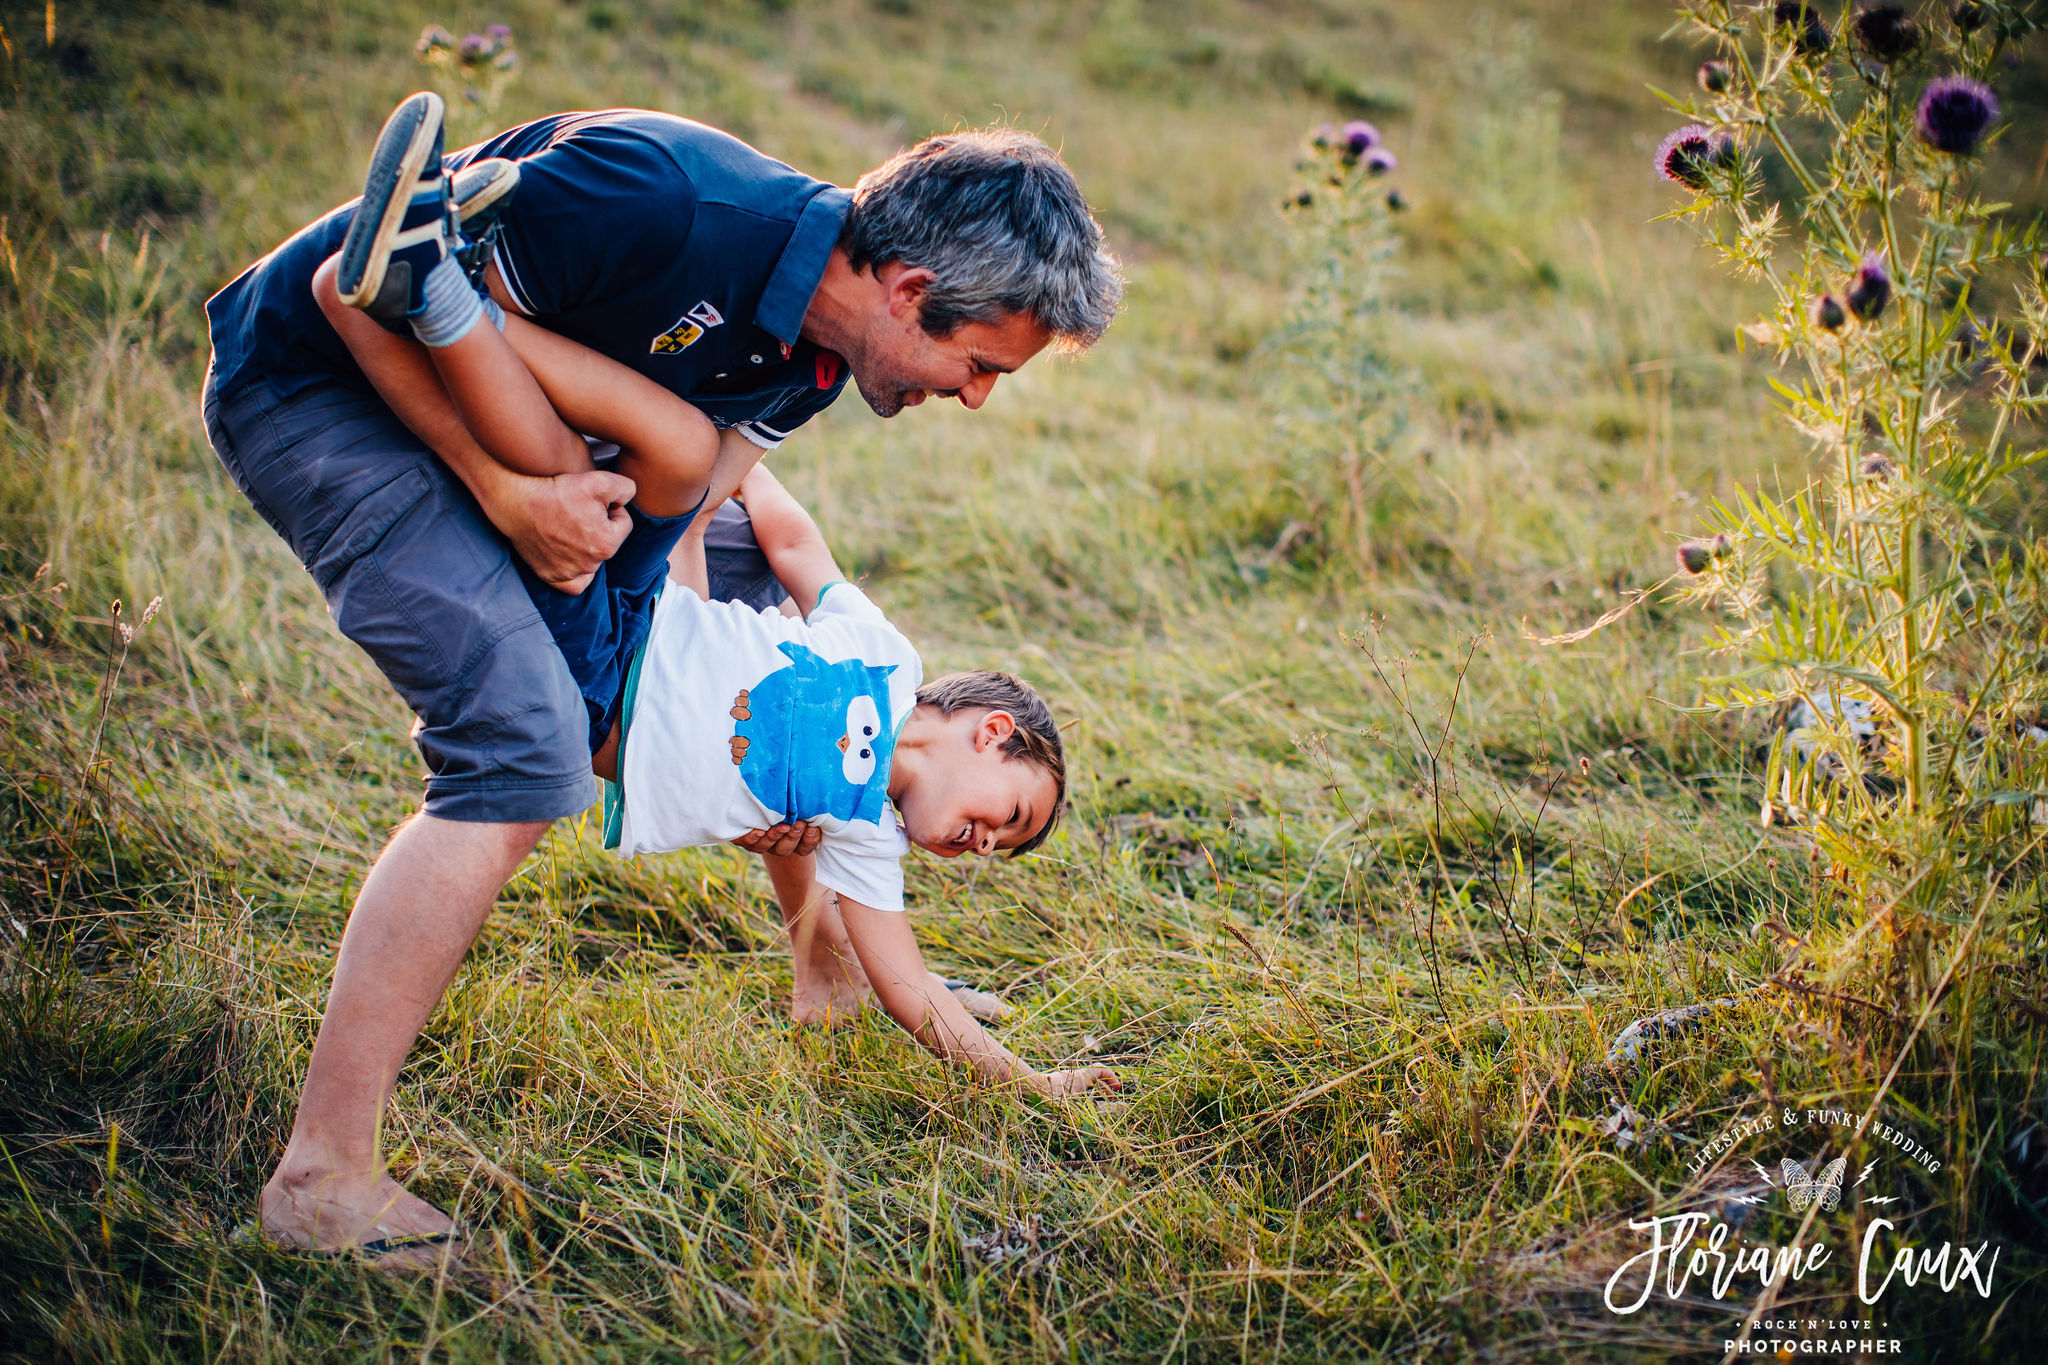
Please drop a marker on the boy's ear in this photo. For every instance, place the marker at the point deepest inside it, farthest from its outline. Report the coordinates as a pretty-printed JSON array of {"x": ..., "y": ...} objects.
[{"x": 994, "y": 728}]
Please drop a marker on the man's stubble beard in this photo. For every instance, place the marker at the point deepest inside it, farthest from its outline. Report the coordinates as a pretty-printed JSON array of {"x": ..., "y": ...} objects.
[
  {"x": 885, "y": 402},
  {"x": 884, "y": 398}
]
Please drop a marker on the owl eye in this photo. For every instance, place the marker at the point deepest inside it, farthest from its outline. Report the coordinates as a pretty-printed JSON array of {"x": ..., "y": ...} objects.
[{"x": 863, "y": 722}]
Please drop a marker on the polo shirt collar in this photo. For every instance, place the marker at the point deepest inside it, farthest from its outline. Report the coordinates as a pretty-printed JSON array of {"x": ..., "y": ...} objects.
[{"x": 788, "y": 295}]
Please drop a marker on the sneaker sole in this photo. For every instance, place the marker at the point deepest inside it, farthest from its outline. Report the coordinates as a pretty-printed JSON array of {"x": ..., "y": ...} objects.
[
  {"x": 476, "y": 195},
  {"x": 402, "y": 148}
]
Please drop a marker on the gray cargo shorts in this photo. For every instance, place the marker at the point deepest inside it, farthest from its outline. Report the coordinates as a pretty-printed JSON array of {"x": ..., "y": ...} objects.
[{"x": 416, "y": 575}]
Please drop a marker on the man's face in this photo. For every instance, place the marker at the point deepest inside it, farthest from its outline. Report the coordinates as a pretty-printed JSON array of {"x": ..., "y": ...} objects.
[{"x": 897, "y": 364}]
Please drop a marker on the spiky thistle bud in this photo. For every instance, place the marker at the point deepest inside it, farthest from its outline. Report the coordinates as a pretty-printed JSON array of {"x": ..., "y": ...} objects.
[
  {"x": 1396, "y": 201},
  {"x": 1954, "y": 114},
  {"x": 1969, "y": 16},
  {"x": 1871, "y": 289},
  {"x": 1686, "y": 155},
  {"x": 1379, "y": 161},
  {"x": 1695, "y": 557},
  {"x": 1715, "y": 77},
  {"x": 1810, "y": 36},
  {"x": 1827, "y": 312},
  {"x": 1359, "y": 137},
  {"x": 1325, "y": 135},
  {"x": 1886, "y": 32},
  {"x": 1877, "y": 468}
]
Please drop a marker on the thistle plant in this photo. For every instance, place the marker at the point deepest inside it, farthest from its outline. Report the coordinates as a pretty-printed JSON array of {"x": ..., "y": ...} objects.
[
  {"x": 1339, "y": 379},
  {"x": 1899, "y": 580},
  {"x": 472, "y": 72}
]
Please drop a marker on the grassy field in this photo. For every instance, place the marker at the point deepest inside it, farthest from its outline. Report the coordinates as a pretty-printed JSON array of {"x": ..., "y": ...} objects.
[{"x": 1360, "y": 882}]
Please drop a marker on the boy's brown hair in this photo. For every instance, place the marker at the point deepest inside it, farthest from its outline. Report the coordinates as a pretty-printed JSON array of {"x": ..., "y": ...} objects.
[{"x": 1036, "y": 739}]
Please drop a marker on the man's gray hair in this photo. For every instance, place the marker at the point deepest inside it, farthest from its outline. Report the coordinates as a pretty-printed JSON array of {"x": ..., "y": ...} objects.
[{"x": 1000, "y": 222}]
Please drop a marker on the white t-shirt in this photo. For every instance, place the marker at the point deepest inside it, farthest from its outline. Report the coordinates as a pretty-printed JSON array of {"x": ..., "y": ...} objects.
[{"x": 745, "y": 718}]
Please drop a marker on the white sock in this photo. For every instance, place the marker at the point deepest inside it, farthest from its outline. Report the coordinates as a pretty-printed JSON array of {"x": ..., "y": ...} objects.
[{"x": 450, "y": 308}]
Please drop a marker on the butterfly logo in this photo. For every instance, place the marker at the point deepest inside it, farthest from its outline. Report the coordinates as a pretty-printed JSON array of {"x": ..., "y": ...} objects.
[{"x": 1803, "y": 1188}]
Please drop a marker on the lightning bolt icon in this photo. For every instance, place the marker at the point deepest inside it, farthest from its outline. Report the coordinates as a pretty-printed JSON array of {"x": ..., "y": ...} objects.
[
  {"x": 1762, "y": 1170},
  {"x": 1866, "y": 1172}
]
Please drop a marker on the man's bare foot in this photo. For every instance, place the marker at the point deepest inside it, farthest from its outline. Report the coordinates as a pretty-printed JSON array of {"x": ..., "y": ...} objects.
[
  {"x": 832, "y": 999},
  {"x": 319, "y": 1211}
]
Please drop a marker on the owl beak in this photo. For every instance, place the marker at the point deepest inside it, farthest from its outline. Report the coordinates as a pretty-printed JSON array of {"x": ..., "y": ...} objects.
[{"x": 842, "y": 744}]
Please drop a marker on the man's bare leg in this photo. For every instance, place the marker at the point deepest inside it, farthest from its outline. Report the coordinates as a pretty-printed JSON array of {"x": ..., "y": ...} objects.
[
  {"x": 830, "y": 987},
  {"x": 426, "y": 897}
]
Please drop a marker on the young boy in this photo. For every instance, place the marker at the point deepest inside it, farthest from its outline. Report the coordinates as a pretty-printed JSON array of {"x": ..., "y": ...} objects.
[{"x": 712, "y": 720}]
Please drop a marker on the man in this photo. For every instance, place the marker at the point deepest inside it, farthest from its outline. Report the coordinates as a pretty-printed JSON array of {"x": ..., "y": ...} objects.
[{"x": 748, "y": 289}]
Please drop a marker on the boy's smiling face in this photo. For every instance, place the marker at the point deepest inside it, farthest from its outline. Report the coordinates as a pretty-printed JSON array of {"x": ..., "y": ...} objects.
[{"x": 967, "y": 796}]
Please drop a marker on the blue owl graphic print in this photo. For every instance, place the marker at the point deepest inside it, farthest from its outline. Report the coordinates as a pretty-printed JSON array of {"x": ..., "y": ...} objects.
[{"x": 815, "y": 738}]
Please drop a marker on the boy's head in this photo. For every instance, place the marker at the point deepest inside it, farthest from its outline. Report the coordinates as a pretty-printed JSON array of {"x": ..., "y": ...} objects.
[{"x": 995, "y": 777}]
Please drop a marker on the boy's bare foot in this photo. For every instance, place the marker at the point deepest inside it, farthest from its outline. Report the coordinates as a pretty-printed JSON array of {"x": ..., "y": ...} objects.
[{"x": 320, "y": 1211}]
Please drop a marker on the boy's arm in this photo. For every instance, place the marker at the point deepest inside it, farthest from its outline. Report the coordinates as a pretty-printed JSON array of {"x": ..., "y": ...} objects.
[
  {"x": 919, "y": 1002},
  {"x": 795, "y": 547},
  {"x": 737, "y": 457}
]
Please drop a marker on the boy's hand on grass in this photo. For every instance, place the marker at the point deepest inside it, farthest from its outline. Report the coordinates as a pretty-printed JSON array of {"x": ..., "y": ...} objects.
[
  {"x": 782, "y": 840},
  {"x": 1078, "y": 1080},
  {"x": 569, "y": 524}
]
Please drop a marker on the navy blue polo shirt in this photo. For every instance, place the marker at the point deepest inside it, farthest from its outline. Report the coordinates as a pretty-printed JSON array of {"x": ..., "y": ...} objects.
[{"x": 671, "y": 247}]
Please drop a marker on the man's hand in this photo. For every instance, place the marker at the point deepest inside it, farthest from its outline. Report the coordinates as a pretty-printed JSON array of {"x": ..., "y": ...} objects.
[
  {"x": 1077, "y": 1080},
  {"x": 782, "y": 840},
  {"x": 565, "y": 526}
]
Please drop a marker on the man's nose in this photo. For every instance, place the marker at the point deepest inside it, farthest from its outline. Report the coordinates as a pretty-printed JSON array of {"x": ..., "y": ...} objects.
[{"x": 975, "y": 391}]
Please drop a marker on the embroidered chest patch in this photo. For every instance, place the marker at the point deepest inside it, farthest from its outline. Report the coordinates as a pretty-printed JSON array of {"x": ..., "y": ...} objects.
[{"x": 686, "y": 330}]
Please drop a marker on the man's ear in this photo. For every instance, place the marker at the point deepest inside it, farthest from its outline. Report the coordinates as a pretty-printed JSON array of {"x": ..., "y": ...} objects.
[
  {"x": 908, "y": 286},
  {"x": 994, "y": 728}
]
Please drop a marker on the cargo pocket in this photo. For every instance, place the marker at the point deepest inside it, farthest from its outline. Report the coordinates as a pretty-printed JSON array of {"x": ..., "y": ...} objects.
[{"x": 381, "y": 599}]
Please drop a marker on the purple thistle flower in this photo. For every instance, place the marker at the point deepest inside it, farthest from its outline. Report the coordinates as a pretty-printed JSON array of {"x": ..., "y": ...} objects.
[
  {"x": 498, "y": 33},
  {"x": 1360, "y": 136},
  {"x": 1687, "y": 153},
  {"x": 1954, "y": 113},
  {"x": 1809, "y": 35},
  {"x": 1877, "y": 468},
  {"x": 1871, "y": 290},
  {"x": 475, "y": 47},
  {"x": 1827, "y": 312},
  {"x": 433, "y": 38},
  {"x": 1379, "y": 161},
  {"x": 1886, "y": 32},
  {"x": 1716, "y": 77}
]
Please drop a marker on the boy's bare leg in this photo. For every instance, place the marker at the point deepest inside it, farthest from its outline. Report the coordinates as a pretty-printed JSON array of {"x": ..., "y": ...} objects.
[
  {"x": 426, "y": 897},
  {"x": 495, "y": 397}
]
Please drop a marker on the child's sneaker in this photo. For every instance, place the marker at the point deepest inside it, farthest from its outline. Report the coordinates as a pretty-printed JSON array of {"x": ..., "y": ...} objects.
[
  {"x": 481, "y": 190},
  {"x": 404, "y": 225}
]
